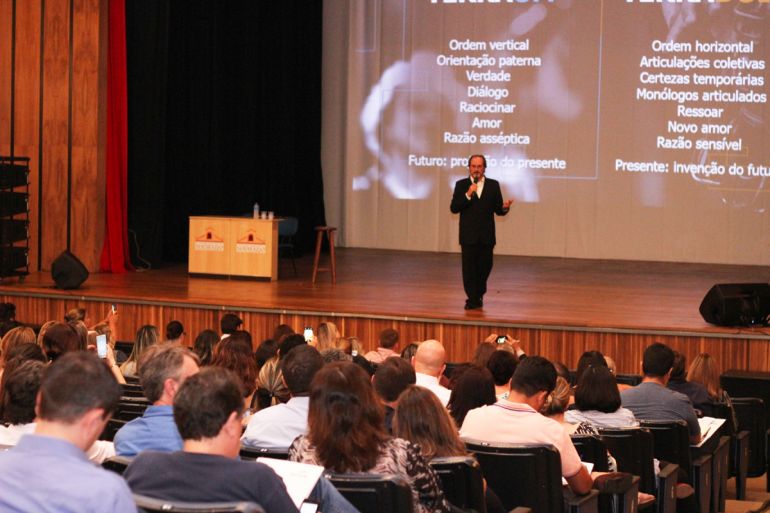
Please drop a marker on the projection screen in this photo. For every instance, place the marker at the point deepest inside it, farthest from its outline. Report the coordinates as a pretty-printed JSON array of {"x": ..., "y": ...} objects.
[{"x": 622, "y": 129}]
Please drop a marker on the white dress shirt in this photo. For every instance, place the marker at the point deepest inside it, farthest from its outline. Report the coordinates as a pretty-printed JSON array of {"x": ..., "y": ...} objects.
[
  {"x": 432, "y": 384},
  {"x": 276, "y": 427}
]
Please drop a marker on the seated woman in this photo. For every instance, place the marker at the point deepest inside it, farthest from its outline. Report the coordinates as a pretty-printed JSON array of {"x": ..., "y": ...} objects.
[
  {"x": 474, "y": 388},
  {"x": 597, "y": 401},
  {"x": 346, "y": 434},
  {"x": 145, "y": 337},
  {"x": 705, "y": 371},
  {"x": 422, "y": 419},
  {"x": 234, "y": 353}
]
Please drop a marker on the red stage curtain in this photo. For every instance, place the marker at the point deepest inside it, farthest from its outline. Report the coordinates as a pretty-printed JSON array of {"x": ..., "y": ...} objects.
[{"x": 115, "y": 254}]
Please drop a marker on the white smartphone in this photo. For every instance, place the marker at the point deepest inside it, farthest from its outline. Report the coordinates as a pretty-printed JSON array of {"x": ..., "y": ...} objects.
[
  {"x": 308, "y": 334},
  {"x": 101, "y": 346}
]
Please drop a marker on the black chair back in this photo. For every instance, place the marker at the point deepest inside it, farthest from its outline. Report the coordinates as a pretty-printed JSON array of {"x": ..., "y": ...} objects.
[
  {"x": 462, "y": 481},
  {"x": 130, "y": 408},
  {"x": 633, "y": 451},
  {"x": 132, "y": 390},
  {"x": 372, "y": 493},
  {"x": 252, "y": 453},
  {"x": 751, "y": 417},
  {"x": 592, "y": 450},
  {"x": 117, "y": 464},
  {"x": 628, "y": 379},
  {"x": 150, "y": 505},
  {"x": 671, "y": 441},
  {"x": 112, "y": 427},
  {"x": 522, "y": 474}
]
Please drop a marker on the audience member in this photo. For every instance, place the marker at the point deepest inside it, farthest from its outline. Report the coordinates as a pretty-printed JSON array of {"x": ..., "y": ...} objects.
[
  {"x": 17, "y": 403},
  {"x": 42, "y": 331},
  {"x": 474, "y": 388},
  {"x": 409, "y": 351},
  {"x": 387, "y": 346},
  {"x": 175, "y": 332},
  {"x": 517, "y": 420},
  {"x": 391, "y": 378},
  {"x": 429, "y": 363},
  {"x": 276, "y": 427},
  {"x": 421, "y": 419},
  {"x": 346, "y": 434},
  {"x": 7, "y": 318},
  {"x": 679, "y": 382},
  {"x": 614, "y": 370},
  {"x": 48, "y": 471},
  {"x": 208, "y": 411},
  {"x": 597, "y": 401},
  {"x": 235, "y": 353},
  {"x": 267, "y": 349},
  {"x": 60, "y": 338},
  {"x": 271, "y": 388},
  {"x": 482, "y": 353},
  {"x": 146, "y": 337},
  {"x": 15, "y": 337},
  {"x": 281, "y": 332},
  {"x": 592, "y": 357},
  {"x": 705, "y": 371},
  {"x": 163, "y": 369},
  {"x": 228, "y": 324},
  {"x": 75, "y": 315},
  {"x": 502, "y": 365},
  {"x": 651, "y": 400},
  {"x": 335, "y": 355},
  {"x": 328, "y": 335},
  {"x": 204, "y": 346},
  {"x": 352, "y": 347}
]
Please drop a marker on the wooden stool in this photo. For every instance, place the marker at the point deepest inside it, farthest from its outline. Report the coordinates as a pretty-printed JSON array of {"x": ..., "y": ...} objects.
[{"x": 329, "y": 231}]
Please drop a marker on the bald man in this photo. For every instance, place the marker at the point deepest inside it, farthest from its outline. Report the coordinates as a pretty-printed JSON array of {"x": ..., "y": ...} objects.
[{"x": 429, "y": 363}]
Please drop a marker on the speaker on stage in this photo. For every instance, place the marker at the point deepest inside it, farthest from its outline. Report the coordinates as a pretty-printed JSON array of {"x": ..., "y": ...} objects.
[
  {"x": 737, "y": 304},
  {"x": 68, "y": 271}
]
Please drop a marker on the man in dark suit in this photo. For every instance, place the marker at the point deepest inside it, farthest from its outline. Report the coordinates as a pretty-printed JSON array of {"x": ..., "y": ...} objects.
[{"x": 477, "y": 199}]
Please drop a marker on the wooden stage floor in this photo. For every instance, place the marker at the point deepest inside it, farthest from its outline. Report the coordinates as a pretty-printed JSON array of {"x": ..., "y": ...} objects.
[{"x": 649, "y": 299}]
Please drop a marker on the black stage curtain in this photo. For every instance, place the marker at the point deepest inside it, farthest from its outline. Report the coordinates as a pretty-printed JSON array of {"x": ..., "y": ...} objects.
[{"x": 224, "y": 103}]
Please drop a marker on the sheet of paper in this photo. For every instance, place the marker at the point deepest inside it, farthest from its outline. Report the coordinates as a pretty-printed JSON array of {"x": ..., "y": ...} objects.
[
  {"x": 299, "y": 478},
  {"x": 708, "y": 426},
  {"x": 589, "y": 467}
]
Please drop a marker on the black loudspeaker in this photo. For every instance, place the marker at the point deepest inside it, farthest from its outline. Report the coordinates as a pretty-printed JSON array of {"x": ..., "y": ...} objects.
[
  {"x": 68, "y": 271},
  {"x": 737, "y": 304}
]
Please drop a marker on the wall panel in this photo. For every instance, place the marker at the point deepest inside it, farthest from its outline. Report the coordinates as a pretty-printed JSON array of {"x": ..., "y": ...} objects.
[
  {"x": 460, "y": 340},
  {"x": 69, "y": 98}
]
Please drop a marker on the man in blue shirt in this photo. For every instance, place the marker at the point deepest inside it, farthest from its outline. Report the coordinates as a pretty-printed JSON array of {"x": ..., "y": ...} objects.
[
  {"x": 209, "y": 412},
  {"x": 48, "y": 471},
  {"x": 162, "y": 370}
]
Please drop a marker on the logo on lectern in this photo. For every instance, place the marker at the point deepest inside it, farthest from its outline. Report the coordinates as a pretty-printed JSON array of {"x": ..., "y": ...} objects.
[
  {"x": 209, "y": 242},
  {"x": 250, "y": 243}
]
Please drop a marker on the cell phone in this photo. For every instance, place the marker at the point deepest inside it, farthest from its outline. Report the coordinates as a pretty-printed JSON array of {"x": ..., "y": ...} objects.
[
  {"x": 501, "y": 339},
  {"x": 101, "y": 346},
  {"x": 308, "y": 507},
  {"x": 308, "y": 334},
  {"x": 114, "y": 308}
]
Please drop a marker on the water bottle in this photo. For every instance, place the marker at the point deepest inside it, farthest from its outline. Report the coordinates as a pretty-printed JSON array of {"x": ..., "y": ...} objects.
[{"x": 256, "y": 210}]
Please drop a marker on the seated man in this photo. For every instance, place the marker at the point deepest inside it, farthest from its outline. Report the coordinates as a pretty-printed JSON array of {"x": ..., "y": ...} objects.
[
  {"x": 208, "y": 411},
  {"x": 163, "y": 369},
  {"x": 517, "y": 420},
  {"x": 387, "y": 347},
  {"x": 276, "y": 427},
  {"x": 48, "y": 471},
  {"x": 390, "y": 379},
  {"x": 651, "y": 400},
  {"x": 429, "y": 363}
]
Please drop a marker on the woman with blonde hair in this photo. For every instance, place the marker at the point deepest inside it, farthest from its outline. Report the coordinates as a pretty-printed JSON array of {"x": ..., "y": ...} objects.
[
  {"x": 328, "y": 335},
  {"x": 147, "y": 336},
  {"x": 14, "y": 338},
  {"x": 705, "y": 370}
]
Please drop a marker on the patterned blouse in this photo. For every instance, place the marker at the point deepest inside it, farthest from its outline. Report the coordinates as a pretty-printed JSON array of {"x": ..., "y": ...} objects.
[{"x": 398, "y": 457}]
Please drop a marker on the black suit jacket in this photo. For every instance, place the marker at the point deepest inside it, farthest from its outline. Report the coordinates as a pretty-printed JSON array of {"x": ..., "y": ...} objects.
[{"x": 477, "y": 215}]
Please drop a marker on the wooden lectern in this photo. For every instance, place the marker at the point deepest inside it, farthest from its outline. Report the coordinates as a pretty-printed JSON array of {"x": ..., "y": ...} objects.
[{"x": 234, "y": 246}]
